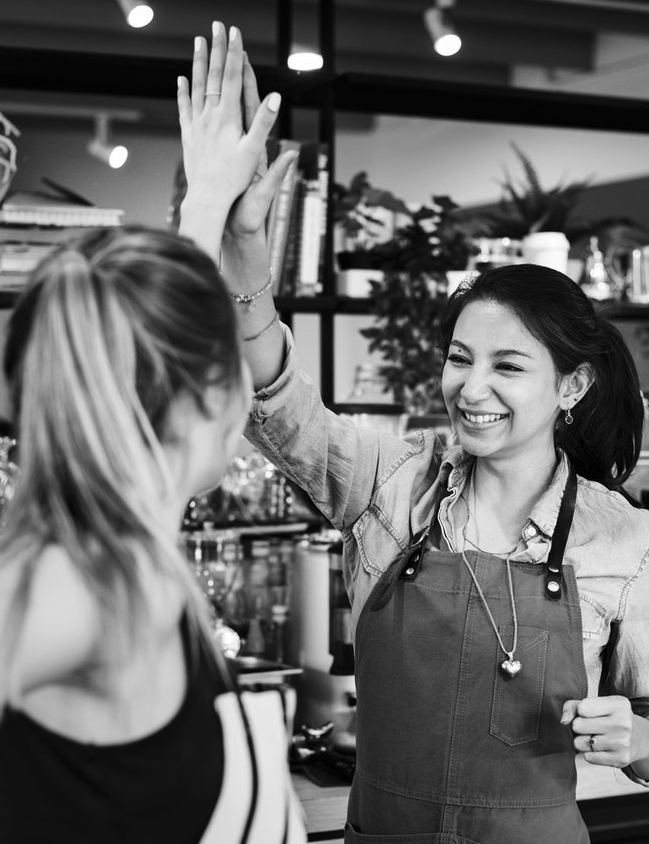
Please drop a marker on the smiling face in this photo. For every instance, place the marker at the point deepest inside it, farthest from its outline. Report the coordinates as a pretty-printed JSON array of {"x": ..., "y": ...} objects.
[{"x": 500, "y": 386}]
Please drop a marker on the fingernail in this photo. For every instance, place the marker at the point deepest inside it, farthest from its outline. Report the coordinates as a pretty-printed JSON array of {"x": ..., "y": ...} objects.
[
  {"x": 274, "y": 101},
  {"x": 233, "y": 34},
  {"x": 216, "y": 28},
  {"x": 180, "y": 81},
  {"x": 197, "y": 43},
  {"x": 565, "y": 719}
]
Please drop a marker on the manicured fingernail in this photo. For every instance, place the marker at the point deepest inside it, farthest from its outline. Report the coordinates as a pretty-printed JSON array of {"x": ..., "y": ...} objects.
[
  {"x": 216, "y": 28},
  {"x": 274, "y": 101},
  {"x": 233, "y": 34},
  {"x": 197, "y": 43},
  {"x": 180, "y": 81},
  {"x": 565, "y": 719}
]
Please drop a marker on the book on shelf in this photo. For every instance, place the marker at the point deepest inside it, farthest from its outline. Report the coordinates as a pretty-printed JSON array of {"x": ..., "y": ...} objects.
[
  {"x": 300, "y": 273},
  {"x": 22, "y": 257},
  {"x": 313, "y": 165},
  {"x": 279, "y": 216},
  {"x": 33, "y": 223},
  {"x": 11, "y": 282},
  {"x": 31, "y": 234},
  {"x": 34, "y": 209}
]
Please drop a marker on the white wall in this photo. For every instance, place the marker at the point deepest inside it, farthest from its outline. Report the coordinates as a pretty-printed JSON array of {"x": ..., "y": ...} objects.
[
  {"x": 416, "y": 158},
  {"x": 142, "y": 187}
]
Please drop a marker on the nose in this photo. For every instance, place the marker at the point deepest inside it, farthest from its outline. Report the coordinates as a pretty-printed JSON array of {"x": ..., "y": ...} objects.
[{"x": 476, "y": 386}]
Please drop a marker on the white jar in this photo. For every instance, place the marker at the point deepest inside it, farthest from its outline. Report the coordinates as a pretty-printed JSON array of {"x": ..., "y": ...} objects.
[{"x": 549, "y": 249}]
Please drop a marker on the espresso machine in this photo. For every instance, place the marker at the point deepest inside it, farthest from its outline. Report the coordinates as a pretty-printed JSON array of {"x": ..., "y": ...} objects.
[{"x": 320, "y": 640}]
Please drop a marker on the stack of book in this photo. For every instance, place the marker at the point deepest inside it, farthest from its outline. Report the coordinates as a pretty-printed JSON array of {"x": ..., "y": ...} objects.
[
  {"x": 297, "y": 220},
  {"x": 31, "y": 226}
]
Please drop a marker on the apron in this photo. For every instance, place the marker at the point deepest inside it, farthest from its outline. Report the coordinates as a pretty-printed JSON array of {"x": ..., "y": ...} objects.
[{"x": 450, "y": 749}]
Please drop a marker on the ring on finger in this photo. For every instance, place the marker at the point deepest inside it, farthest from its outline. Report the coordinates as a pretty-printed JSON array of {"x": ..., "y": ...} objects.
[
  {"x": 592, "y": 743},
  {"x": 212, "y": 93}
]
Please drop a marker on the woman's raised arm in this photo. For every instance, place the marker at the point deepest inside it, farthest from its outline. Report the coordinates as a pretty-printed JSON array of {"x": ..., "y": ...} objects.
[{"x": 224, "y": 128}]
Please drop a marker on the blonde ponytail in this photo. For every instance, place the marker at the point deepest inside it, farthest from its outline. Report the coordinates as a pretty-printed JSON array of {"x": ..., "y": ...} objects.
[{"x": 110, "y": 330}]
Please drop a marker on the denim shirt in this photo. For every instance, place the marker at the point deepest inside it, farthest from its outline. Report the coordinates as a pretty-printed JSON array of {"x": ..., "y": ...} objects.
[{"x": 380, "y": 490}]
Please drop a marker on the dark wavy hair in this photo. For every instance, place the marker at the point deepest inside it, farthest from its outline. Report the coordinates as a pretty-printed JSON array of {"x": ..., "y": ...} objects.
[{"x": 605, "y": 439}]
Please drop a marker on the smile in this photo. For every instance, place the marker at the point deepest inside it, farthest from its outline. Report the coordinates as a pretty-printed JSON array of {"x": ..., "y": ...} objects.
[{"x": 482, "y": 418}]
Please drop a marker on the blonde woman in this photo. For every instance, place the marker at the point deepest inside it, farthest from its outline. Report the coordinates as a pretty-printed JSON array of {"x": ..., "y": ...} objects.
[{"x": 120, "y": 720}]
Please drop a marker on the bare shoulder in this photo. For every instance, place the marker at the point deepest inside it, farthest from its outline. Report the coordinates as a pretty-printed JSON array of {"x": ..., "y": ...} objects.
[{"x": 62, "y": 623}]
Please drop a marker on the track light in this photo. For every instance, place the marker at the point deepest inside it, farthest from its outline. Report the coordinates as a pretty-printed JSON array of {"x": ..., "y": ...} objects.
[
  {"x": 100, "y": 147},
  {"x": 438, "y": 22},
  {"x": 137, "y": 13},
  {"x": 302, "y": 59}
]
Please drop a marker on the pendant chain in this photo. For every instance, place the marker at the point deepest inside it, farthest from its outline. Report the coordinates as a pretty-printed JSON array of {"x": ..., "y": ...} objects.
[{"x": 509, "y": 666}]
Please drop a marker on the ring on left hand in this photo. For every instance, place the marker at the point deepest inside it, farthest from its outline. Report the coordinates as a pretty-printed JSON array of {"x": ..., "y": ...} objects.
[
  {"x": 212, "y": 93},
  {"x": 592, "y": 743}
]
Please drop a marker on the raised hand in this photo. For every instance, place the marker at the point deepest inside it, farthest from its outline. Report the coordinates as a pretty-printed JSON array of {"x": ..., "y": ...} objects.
[{"x": 223, "y": 144}]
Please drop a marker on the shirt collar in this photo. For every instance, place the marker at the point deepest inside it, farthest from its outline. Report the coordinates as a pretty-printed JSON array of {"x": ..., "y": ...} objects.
[{"x": 457, "y": 465}]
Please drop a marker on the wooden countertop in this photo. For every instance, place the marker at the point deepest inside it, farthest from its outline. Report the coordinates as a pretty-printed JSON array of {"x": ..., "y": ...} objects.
[{"x": 326, "y": 807}]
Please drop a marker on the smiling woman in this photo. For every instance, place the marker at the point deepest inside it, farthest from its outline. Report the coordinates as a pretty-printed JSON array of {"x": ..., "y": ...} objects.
[
  {"x": 477, "y": 677},
  {"x": 468, "y": 568},
  {"x": 525, "y": 341}
]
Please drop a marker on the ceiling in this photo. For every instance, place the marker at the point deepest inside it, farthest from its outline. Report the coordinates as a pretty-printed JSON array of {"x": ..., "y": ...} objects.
[{"x": 70, "y": 54}]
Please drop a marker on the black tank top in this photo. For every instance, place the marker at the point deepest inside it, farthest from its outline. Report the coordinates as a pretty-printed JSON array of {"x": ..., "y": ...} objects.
[{"x": 160, "y": 789}]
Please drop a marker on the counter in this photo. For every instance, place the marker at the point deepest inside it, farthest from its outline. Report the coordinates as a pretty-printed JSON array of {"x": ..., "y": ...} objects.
[{"x": 615, "y": 809}]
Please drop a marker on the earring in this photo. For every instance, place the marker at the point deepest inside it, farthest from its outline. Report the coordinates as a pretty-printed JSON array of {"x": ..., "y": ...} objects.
[{"x": 569, "y": 419}]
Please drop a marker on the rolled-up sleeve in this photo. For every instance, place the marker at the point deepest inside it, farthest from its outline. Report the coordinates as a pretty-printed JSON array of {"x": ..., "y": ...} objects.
[{"x": 335, "y": 462}]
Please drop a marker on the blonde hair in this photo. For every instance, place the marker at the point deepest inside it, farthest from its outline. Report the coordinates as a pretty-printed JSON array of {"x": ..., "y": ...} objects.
[{"x": 110, "y": 330}]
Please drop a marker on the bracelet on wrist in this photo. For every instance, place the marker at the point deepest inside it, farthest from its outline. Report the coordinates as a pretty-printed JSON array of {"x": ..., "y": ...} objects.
[
  {"x": 263, "y": 330},
  {"x": 249, "y": 299}
]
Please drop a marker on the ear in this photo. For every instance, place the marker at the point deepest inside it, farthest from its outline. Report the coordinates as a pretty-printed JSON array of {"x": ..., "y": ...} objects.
[{"x": 574, "y": 387}]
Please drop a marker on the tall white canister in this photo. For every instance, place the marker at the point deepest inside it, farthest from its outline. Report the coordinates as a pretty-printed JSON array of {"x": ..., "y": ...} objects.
[{"x": 549, "y": 249}]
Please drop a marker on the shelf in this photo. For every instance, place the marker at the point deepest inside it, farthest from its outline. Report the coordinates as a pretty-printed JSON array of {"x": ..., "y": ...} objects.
[
  {"x": 624, "y": 310},
  {"x": 154, "y": 77},
  {"x": 369, "y": 93},
  {"x": 322, "y": 304}
]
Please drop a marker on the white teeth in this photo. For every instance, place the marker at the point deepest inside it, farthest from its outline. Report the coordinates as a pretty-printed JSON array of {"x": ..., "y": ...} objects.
[{"x": 481, "y": 419}]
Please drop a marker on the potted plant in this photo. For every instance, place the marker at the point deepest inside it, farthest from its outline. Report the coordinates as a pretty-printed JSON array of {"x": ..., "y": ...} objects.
[
  {"x": 408, "y": 300},
  {"x": 542, "y": 219},
  {"x": 363, "y": 217}
]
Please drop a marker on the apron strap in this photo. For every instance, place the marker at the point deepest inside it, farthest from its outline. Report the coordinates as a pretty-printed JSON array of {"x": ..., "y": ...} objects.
[
  {"x": 405, "y": 568},
  {"x": 560, "y": 537}
]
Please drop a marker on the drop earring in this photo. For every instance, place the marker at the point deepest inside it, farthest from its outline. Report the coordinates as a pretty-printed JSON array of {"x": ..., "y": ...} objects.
[{"x": 569, "y": 419}]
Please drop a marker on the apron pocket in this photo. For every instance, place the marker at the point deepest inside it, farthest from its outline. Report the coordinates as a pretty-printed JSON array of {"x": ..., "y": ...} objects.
[
  {"x": 517, "y": 701},
  {"x": 352, "y": 836}
]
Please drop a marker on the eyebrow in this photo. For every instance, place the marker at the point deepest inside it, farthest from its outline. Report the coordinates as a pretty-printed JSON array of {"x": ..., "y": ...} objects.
[{"x": 498, "y": 353}]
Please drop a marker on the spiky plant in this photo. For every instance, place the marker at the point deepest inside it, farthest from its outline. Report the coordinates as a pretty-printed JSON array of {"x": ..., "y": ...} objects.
[{"x": 527, "y": 207}]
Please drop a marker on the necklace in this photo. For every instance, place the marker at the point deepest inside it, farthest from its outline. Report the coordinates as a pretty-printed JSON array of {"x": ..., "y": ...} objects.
[{"x": 510, "y": 666}]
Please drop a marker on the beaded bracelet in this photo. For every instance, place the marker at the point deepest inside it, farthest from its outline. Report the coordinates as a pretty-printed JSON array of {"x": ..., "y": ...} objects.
[
  {"x": 249, "y": 298},
  {"x": 263, "y": 330}
]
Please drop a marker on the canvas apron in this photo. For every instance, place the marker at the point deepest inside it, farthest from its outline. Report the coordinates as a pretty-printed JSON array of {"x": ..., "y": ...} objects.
[{"x": 449, "y": 748}]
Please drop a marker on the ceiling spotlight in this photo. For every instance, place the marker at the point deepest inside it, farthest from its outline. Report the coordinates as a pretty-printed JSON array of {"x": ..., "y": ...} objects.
[
  {"x": 305, "y": 60},
  {"x": 100, "y": 147},
  {"x": 137, "y": 13},
  {"x": 438, "y": 22}
]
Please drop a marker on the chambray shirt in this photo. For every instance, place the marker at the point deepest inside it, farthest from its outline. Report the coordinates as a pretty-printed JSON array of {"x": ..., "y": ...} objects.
[{"x": 380, "y": 490}]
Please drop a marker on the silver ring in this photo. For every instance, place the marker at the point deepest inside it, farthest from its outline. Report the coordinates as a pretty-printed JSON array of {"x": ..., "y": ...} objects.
[
  {"x": 592, "y": 743},
  {"x": 212, "y": 93}
]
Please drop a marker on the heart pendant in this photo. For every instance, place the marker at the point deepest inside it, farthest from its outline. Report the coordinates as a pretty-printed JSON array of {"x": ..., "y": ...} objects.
[{"x": 511, "y": 667}]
